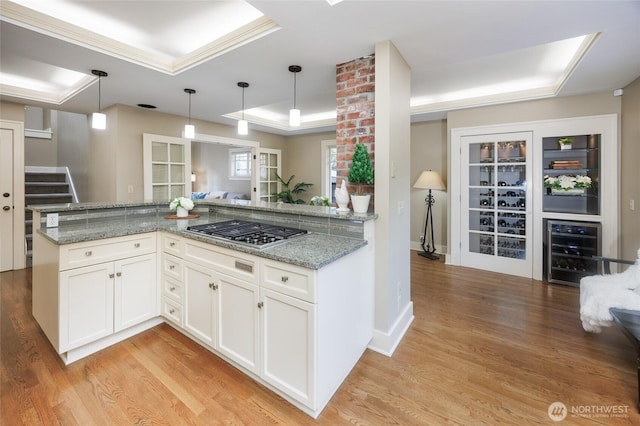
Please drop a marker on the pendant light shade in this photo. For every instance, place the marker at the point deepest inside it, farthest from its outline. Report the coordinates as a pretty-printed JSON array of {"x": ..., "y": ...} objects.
[
  {"x": 99, "y": 120},
  {"x": 294, "y": 113},
  {"x": 243, "y": 125},
  {"x": 189, "y": 129}
]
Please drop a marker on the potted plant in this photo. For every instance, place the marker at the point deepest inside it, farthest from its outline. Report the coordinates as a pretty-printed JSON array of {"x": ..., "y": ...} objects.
[
  {"x": 181, "y": 205},
  {"x": 567, "y": 185},
  {"x": 360, "y": 173},
  {"x": 286, "y": 195},
  {"x": 565, "y": 143}
]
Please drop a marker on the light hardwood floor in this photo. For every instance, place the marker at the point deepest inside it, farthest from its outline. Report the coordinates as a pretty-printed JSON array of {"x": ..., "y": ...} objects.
[{"x": 484, "y": 348}]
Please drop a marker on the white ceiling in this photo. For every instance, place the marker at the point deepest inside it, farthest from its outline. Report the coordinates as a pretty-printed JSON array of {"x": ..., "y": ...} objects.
[{"x": 461, "y": 53}]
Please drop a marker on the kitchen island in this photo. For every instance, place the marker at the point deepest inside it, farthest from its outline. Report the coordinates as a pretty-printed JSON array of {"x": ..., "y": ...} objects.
[{"x": 295, "y": 316}]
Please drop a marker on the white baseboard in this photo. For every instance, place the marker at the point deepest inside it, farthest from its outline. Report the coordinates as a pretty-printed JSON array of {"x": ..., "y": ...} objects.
[{"x": 387, "y": 342}]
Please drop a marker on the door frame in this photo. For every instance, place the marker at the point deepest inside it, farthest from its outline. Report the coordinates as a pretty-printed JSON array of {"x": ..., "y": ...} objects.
[{"x": 17, "y": 160}]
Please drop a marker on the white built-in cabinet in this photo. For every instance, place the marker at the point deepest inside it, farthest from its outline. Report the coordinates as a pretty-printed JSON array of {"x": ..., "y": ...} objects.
[
  {"x": 499, "y": 206},
  {"x": 266, "y": 317},
  {"x": 89, "y": 291}
]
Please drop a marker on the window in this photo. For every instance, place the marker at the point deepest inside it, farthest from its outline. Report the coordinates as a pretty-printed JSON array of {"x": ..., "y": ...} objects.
[{"x": 239, "y": 164}]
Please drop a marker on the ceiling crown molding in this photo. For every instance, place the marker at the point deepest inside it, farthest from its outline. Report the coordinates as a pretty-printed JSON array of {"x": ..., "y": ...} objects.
[{"x": 45, "y": 24}]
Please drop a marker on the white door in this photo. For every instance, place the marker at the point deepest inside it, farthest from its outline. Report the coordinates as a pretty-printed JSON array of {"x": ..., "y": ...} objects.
[
  {"x": 136, "y": 295},
  {"x": 239, "y": 321},
  {"x": 265, "y": 166},
  {"x": 12, "y": 242},
  {"x": 199, "y": 303},
  {"x": 288, "y": 345},
  {"x": 86, "y": 305},
  {"x": 166, "y": 167},
  {"x": 496, "y": 228}
]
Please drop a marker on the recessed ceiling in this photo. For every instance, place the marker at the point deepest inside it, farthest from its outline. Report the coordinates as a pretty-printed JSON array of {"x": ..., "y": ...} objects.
[{"x": 462, "y": 54}]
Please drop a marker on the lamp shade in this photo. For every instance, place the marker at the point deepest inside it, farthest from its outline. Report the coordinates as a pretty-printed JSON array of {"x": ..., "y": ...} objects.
[
  {"x": 98, "y": 121},
  {"x": 243, "y": 127},
  {"x": 294, "y": 117},
  {"x": 430, "y": 180},
  {"x": 189, "y": 131}
]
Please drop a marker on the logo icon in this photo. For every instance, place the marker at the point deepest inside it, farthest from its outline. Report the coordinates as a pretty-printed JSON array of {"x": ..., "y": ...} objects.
[{"x": 557, "y": 411}]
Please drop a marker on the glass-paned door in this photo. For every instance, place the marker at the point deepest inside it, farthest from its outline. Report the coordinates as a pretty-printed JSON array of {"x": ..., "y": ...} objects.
[
  {"x": 496, "y": 203},
  {"x": 166, "y": 167},
  {"x": 266, "y": 165}
]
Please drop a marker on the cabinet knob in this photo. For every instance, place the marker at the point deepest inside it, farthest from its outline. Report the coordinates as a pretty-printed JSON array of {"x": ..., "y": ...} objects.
[
  {"x": 88, "y": 253},
  {"x": 213, "y": 286},
  {"x": 137, "y": 245},
  {"x": 6, "y": 208},
  {"x": 284, "y": 278},
  {"x": 118, "y": 274},
  {"x": 172, "y": 289},
  {"x": 260, "y": 305},
  {"x": 171, "y": 311},
  {"x": 111, "y": 276},
  {"x": 171, "y": 244},
  {"x": 6, "y": 194},
  {"x": 172, "y": 267}
]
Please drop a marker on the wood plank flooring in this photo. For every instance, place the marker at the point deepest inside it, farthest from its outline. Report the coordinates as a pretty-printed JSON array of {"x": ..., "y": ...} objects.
[{"x": 484, "y": 348}]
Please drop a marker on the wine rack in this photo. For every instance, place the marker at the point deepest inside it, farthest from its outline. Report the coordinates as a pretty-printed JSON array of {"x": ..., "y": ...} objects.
[{"x": 571, "y": 246}]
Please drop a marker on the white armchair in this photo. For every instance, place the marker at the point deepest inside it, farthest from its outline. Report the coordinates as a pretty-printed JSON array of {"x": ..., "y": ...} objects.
[{"x": 600, "y": 292}]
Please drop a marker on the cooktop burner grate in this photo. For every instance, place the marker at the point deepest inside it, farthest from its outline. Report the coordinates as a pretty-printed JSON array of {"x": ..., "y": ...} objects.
[{"x": 252, "y": 233}]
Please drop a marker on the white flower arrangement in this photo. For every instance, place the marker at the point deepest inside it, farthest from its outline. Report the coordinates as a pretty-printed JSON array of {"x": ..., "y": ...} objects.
[
  {"x": 185, "y": 203},
  {"x": 566, "y": 183},
  {"x": 319, "y": 201}
]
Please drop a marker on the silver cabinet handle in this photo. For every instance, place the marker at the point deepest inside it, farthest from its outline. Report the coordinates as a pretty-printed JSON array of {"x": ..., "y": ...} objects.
[
  {"x": 88, "y": 253},
  {"x": 137, "y": 245},
  {"x": 284, "y": 278},
  {"x": 118, "y": 274},
  {"x": 260, "y": 305},
  {"x": 172, "y": 267},
  {"x": 171, "y": 244},
  {"x": 111, "y": 276},
  {"x": 213, "y": 286},
  {"x": 172, "y": 289},
  {"x": 171, "y": 311}
]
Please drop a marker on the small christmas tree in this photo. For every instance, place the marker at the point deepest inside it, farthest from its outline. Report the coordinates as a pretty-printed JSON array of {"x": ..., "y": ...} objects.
[{"x": 361, "y": 172}]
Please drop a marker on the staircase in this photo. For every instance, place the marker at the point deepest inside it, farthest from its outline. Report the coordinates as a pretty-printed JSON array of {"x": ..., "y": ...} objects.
[{"x": 45, "y": 185}]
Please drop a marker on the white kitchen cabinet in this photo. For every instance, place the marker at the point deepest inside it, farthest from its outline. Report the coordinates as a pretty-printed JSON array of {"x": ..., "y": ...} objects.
[
  {"x": 238, "y": 321},
  {"x": 136, "y": 291},
  {"x": 200, "y": 303},
  {"x": 289, "y": 345},
  {"x": 86, "y": 305},
  {"x": 89, "y": 295}
]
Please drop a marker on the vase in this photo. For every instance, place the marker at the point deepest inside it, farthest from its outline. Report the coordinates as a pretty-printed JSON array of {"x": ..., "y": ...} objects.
[
  {"x": 360, "y": 203},
  {"x": 575, "y": 191},
  {"x": 565, "y": 146},
  {"x": 182, "y": 212}
]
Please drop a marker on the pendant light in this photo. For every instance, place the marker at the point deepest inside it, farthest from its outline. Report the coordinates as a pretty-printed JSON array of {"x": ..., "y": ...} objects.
[
  {"x": 99, "y": 120},
  {"x": 243, "y": 125},
  {"x": 294, "y": 114},
  {"x": 189, "y": 129}
]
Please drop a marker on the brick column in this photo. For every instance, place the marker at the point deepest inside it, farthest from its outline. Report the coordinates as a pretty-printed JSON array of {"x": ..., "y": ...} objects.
[{"x": 355, "y": 104}]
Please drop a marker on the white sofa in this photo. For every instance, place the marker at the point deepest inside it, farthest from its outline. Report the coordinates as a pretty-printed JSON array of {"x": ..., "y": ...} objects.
[{"x": 598, "y": 293}]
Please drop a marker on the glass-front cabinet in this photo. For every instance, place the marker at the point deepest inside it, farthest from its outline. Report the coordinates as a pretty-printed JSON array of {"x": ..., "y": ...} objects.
[{"x": 495, "y": 199}]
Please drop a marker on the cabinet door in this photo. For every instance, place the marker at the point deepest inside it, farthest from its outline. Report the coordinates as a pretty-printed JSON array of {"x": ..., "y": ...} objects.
[
  {"x": 288, "y": 345},
  {"x": 199, "y": 302},
  {"x": 496, "y": 203},
  {"x": 136, "y": 291},
  {"x": 238, "y": 321},
  {"x": 86, "y": 305}
]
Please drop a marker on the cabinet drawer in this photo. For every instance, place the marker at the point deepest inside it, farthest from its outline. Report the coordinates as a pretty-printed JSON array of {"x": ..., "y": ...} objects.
[
  {"x": 173, "y": 289},
  {"x": 172, "y": 244},
  {"x": 172, "y": 266},
  {"x": 289, "y": 279},
  {"x": 172, "y": 311},
  {"x": 230, "y": 262},
  {"x": 110, "y": 249}
]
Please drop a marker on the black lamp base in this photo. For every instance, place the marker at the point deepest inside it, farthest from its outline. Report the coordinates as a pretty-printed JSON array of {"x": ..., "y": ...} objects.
[{"x": 428, "y": 255}]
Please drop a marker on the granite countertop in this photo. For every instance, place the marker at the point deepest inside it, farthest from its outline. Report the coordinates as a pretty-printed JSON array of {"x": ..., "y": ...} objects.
[
  {"x": 299, "y": 209},
  {"x": 312, "y": 251}
]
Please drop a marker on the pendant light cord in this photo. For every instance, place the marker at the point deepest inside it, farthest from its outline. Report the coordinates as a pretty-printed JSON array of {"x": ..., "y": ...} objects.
[
  {"x": 99, "y": 93},
  {"x": 295, "y": 74}
]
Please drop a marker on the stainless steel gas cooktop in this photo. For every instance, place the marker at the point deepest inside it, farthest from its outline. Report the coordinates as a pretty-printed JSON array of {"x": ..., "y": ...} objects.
[{"x": 255, "y": 234}]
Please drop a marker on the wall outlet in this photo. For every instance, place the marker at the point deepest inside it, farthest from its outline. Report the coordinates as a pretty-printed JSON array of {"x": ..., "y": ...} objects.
[
  {"x": 52, "y": 220},
  {"x": 130, "y": 189},
  {"x": 632, "y": 204}
]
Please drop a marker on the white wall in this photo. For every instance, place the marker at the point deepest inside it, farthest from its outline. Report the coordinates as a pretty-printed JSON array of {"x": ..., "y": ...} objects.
[{"x": 210, "y": 163}]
